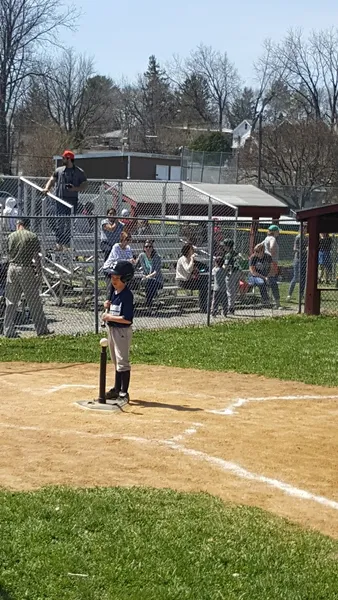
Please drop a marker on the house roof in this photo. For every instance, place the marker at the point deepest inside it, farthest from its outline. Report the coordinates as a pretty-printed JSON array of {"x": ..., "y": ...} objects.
[
  {"x": 326, "y": 210},
  {"x": 246, "y": 200},
  {"x": 237, "y": 195}
]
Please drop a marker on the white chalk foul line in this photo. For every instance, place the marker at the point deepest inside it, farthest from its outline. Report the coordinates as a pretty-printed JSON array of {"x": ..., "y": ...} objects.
[
  {"x": 187, "y": 432},
  {"x": 222, "y": 464},
  {"x": 65, "y": 386},
  {"x": 237, "y": 470},
  {"x": 239, "y": 402}
]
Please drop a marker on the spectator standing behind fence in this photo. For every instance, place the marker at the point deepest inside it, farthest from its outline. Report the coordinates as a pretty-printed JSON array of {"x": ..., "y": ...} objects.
[
  {"x": 299, "y": 264},
  {"x": 68, "y": 180},
  {"x": 324, "y": 258},
  {"x": 120, "y": 251},
  {"x": 150, "y": 263},
  {"x": 232, "y": 266},
  {"x": 188, "y": 276},
  {"x": 10, "y": 213},
  {"x": 219, "y": 296},
  {"x": 261, "y": 269},
  {"x": 272, "y": 248},
  {"x": 24, "y": 278},
  {"x": 111, "y": 229}
]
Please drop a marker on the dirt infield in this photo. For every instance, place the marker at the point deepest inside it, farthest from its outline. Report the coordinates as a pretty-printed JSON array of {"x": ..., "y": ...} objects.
[{"x": 247, "y": 439}]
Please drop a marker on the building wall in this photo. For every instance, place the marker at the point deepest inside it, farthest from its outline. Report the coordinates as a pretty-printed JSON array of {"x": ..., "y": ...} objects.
[
  {"x": 110, "y": 167},
  {"x": 116, "y": 167},
  {"x": 145, "y": 168}
]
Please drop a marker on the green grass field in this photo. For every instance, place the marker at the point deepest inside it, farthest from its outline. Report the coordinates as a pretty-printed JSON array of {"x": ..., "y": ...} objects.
[
  {"x": 140, "y": 544},
  {"x": 115, "y": 544},
  {"x": 298, "y": 348}
]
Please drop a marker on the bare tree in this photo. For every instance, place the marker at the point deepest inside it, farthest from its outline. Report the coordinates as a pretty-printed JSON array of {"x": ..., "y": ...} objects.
[
  {"x": 217, "y": 72},
  {"x": 79, "y": 102},
  {"x": 26, "y": 27},
  {"x": 296, "y": 159},
  {"x": 266, "y": 79},
  {"x": 309, "y": 67}
]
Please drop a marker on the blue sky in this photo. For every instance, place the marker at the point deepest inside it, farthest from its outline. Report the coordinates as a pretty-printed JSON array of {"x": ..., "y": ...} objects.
[{"x": 122, "y": 35}]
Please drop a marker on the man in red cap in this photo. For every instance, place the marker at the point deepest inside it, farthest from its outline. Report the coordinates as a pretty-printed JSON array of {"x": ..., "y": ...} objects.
[{"x": 68, "y": 181}]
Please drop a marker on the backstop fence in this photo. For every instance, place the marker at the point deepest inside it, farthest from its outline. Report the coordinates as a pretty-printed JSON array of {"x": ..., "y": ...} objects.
[{"x": 163, "y": 217}]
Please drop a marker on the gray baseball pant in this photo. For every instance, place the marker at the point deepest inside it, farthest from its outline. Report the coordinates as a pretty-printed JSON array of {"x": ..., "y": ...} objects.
[
  {"x": 232, "y": 283},
  {"x": 119, "y": 340}
]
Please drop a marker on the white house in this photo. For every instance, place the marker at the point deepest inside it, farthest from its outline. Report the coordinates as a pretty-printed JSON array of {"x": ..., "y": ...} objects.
[{"x": 240, "y": 134}]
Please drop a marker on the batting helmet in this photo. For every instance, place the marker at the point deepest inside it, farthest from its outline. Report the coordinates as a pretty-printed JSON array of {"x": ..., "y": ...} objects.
[
  {"x": 229, "y": 242},
  {"x": 123, "y": 269}
]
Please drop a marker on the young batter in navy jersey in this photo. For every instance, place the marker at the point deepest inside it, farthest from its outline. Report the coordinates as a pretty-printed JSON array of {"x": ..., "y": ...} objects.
[{"x": 119, "y": 318}]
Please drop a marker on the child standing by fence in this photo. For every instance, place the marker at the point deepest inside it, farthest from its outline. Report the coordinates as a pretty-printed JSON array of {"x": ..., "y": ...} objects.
[{"x": 219, "y": 296}]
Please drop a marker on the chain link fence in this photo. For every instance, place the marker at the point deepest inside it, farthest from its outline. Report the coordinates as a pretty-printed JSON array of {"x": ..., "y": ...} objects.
[
  {"x": 165, "y": 216},
  {"x": 209, "y": 167}
]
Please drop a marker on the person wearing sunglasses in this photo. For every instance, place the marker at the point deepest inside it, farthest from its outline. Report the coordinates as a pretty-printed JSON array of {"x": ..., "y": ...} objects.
[{"x": 150, "y": 264}]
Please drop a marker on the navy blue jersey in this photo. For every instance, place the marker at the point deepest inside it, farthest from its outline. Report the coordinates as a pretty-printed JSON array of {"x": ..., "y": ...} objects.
[{"x": 121, "y": 305}]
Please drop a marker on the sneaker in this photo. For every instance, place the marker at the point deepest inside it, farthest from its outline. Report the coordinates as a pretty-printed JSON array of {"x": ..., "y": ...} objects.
[
  {"x": 111, "y": 395},
  {"x": 123, "y": 398}
]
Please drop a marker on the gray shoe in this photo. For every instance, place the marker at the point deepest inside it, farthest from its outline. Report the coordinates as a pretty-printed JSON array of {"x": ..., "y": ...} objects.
[{"x": 123, "y": 398}]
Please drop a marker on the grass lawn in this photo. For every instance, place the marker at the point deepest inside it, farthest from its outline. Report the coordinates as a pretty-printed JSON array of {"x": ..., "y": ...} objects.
[
  {"x": 298, "y": 348},
  {"x": 131, "y": 544},
  {"x": 142, "y": 544}
]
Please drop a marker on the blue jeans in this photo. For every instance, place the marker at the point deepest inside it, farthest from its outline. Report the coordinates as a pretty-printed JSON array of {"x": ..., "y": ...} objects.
[
  {"x": 261, "y": 284},
  {"x": 298, "y": 266},
  {"x": 263, "y": 287},
  {"x": 63, "y": 231}
]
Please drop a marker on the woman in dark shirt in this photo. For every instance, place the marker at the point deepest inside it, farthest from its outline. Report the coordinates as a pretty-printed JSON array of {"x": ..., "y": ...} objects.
[{"x": 260, "y": 266}]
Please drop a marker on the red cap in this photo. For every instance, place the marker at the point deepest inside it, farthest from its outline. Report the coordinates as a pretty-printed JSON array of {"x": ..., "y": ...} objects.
[{"x": 68, "y": 154}]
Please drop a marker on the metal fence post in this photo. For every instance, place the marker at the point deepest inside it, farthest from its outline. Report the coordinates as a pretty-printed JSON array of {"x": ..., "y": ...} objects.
[
  {"x": 180, "y": 198},
  {"x": 72, "y": 231},
  {"x": 33, "y": 210},
  {"x": 220, "y": 167},
  {"x": 20, "y": 205},
  {"x": 202, "y": 167},
  {"x": 119, "y": 198},
  {"x": 43, "y": 229},
  {"x": 235, "y": 230},
  {"x": 96, "y": 276},
  {"x": 164, "y": 207},
  {"x": 211, "y": 264},
  {"x": 25, "y": 200},
  {"x": 191, "y": 165}
]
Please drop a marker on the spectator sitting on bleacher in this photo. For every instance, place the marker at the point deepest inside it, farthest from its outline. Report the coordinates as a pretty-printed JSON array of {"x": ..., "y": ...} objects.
[
  {"x": 150, "y": 263},
  {"x": 261, "y": 270},
  {"x": 188, "y": 276},
  {"x": 120, "y": 251},
  {"x": 111, "y": 229}
]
